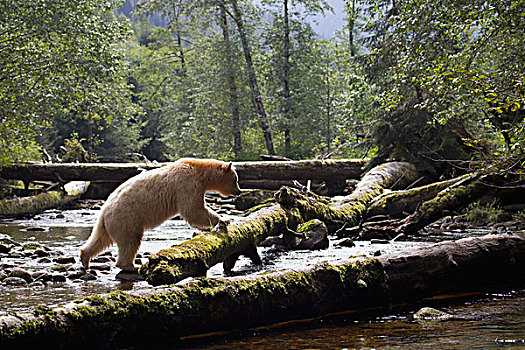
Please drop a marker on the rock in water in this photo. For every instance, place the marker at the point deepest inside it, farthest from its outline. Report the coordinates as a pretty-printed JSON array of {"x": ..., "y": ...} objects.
[{"x": 315, "y": 235}]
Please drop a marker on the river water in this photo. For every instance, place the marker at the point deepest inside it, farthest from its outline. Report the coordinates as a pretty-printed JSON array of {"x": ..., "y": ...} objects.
[{"x": 483, "y": 322}]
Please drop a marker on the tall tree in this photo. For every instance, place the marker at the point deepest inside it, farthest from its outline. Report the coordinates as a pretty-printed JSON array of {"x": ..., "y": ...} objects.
[
  {"x": 57, "y": 59},
  {"x": 231, "y": 81},
  {"x": 252, "y": 78}
]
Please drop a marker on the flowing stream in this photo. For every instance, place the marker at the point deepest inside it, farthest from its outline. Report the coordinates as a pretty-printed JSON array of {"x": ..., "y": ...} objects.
[{"x": 490, "y": 321}]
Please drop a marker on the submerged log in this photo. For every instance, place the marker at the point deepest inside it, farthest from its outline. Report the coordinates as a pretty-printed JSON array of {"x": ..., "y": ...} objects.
[
  {"x": 22, "y": 206},
  {"x": 138, "y": 318},
  {"x": 194, "y": 257}
]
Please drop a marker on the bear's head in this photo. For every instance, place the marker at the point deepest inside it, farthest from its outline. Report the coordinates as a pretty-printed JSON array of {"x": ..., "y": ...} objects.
[{"x": 229, "y": 184}]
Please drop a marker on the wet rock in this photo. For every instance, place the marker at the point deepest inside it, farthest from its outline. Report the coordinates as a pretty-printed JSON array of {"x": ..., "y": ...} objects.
[
  {"x": 2, "y": 276},
  {"x": 4, "y": 249},
  {"x": 75, "y": 272},
  {"x": 7, "y": 240},
  {"x": 51, "y": 277},
  {"x": 128, "y": 276},
  {"x": 61, "y": 268},
  {"x": 37, "y": 274},
  {"x": 315, "y": 233},
  {"x": 88, "y": 277},
  {"x": 347, "y": 242},
  {"x": 65, "y": 260},
  {"x": 14, "y": 282},
  {"x": 44, "y": 261},
  {"x": 40, "y": 253},
  {"x": 19, "y": 273},
  {"x": 429, "y": 313},
  {"x": 37, "y": 283},
  {"x": 31, "y": 246},
  {"x": 377, "y": 253}
]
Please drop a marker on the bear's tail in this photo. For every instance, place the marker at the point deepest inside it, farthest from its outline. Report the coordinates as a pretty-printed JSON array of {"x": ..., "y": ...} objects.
[{"x": 97, "y": 242}]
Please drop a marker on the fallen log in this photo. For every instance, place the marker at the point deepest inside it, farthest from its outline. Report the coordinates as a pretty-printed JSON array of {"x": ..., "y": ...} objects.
[
  {"x": 255, "y": 172},
  {"x": 194, "y": 257},
  {"x": 138, "y": 318},
  {"x": 22, "y": 206},
  {"x": 453, "y": 198},
  {"x": 401, "y": 203}
]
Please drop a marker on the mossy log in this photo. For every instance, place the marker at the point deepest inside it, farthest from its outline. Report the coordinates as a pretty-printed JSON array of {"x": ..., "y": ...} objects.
[
  {"x": 402, "y": 203},
  {"x": 194, "y": 257},
  {"x": 161, "y": 315},
  {"x": 22, "y": 206},
  {"x": 453, "y": 198}
]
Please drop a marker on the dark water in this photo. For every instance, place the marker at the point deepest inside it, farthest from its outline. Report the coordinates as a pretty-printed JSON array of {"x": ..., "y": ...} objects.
[
  {"x": 478, "y": 322},
  {"x": 485, "y": 322}
]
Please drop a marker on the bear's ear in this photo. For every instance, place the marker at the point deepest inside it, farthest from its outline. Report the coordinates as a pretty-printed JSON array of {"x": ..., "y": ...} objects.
[{"x": 228, "y": 167}]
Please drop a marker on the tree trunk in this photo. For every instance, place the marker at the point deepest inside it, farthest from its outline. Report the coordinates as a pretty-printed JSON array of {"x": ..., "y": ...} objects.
[
  {"x": 196, "y": 256},
  {"x": 137, "y": 318},
  {"x": 252, "y": 77},
  {"x": 230, "y": 80},
  {"x": 286, "y": 80},
  {"x": 22, "y": 206}
]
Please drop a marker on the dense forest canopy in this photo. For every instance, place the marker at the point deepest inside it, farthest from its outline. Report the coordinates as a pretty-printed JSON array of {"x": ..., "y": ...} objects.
[{"x": 413, "y": 80}]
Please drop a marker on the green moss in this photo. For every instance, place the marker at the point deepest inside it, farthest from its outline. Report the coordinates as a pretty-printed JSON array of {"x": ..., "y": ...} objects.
[
  {"x": 61, "y": 268},
  {"x": 31, "y": 246}
]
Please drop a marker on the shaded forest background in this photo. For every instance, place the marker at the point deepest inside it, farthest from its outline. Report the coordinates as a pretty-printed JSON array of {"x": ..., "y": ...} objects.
[{"x": 437, "y": 84}]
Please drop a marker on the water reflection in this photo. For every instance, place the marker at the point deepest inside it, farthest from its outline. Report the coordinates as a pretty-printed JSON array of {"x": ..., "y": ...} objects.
[{"x": 484, "y": 323}]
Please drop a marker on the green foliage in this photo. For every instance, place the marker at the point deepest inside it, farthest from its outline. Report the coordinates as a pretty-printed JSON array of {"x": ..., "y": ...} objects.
[
  {"x": 59, "y": 60},
  {"x": 74, "y": 151},
  {"x": 483, "y": 213},
  {"x": 455, "y": 60}
]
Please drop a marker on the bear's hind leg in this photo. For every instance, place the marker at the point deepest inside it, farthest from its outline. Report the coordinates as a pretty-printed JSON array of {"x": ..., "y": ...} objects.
[{"x": 127, "y": 250}]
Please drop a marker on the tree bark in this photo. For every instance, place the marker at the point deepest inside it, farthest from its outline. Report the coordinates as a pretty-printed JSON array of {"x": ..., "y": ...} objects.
[
  {"x": 286, "y": 80},
  {"x": 22, "y": 206},
  {"x": 123, "y": 318},
  {"x": 196, "y": 256},
  {"x": 252, "y": 78},
  {"x": 230, "y": 80}
]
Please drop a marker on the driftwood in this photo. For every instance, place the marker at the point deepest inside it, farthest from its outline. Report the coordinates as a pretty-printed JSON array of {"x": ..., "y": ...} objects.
[
  {"x": 22, "y": 206},
  {"x": 196, "y": 256},
  {"x": 137, "y": 318},
  {"x": 256, "y": 174}
]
